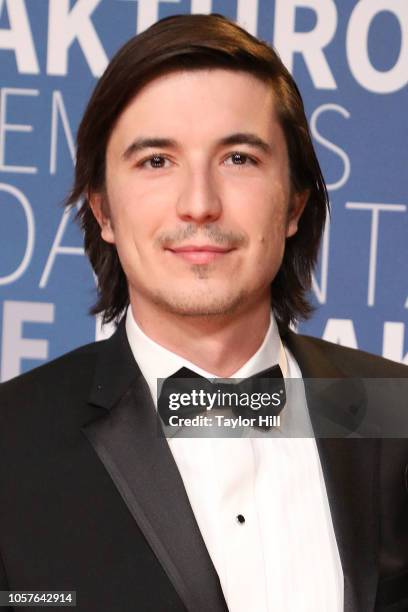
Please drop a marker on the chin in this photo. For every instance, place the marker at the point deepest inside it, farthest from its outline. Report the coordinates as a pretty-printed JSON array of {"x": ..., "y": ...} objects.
[{"x": 204, "y": 305}]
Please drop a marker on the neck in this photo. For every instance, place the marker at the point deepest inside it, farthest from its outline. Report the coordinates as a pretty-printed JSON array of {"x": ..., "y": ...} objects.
[{"x": 219, "y": 344}]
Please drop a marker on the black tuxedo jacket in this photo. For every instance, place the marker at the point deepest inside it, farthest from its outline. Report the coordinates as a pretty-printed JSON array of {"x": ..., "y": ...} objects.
[{"x": 91, "y": 499}]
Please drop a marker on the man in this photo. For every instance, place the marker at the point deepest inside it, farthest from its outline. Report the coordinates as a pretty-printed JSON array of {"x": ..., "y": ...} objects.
[{"x": 203, "y": 207}]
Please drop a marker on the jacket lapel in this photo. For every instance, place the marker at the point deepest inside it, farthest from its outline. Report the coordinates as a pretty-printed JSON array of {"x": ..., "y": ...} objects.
[
  {"x": 130, "y": 443},
  {"x": 350, "y": 467}
]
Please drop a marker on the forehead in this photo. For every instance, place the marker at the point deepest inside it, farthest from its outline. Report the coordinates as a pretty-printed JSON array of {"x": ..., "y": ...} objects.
[{"x": 199, "y": 104}]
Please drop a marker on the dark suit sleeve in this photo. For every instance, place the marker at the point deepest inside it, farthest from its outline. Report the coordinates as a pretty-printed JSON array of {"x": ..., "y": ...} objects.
[
  {"x": 3, "y": 583},
  {"x": 4, "y": 586},
  {"x": 392, "y": 594}
]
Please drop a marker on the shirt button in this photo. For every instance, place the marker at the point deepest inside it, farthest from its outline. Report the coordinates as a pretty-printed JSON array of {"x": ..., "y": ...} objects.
[{"x": 240, "y": 518}]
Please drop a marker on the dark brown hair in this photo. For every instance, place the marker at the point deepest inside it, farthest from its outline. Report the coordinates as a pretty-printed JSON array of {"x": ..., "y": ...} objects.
[{"x": 192, "y": 42}]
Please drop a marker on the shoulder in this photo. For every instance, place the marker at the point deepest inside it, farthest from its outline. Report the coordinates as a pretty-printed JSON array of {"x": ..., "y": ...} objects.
[
  {"x": 42, "y": 412},
  {"x": 47, "y": 406},
  {"x": 61, "y": 376},
  {"x": 352, "y": 362}
]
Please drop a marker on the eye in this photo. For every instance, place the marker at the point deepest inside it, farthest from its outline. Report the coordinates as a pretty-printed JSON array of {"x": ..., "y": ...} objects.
[
  {"x": 240, "y": 159},
  {"x": 154, "y": 162}
]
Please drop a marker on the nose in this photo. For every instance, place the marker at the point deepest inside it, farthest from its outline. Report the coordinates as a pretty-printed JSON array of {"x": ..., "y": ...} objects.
[{"x": 199, "y": 200}]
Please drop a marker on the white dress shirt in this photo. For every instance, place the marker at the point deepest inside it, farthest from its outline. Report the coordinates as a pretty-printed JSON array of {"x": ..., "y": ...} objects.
[{"x": 284, "y": 556}]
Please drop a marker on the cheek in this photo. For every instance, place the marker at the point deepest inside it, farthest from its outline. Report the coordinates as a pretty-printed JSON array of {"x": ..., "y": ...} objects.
[
  {"x": 269, "y": 248},
  {"x": 264, "y": 215},
  {"x": 268, "y": 235},
  {"x": 137, "y": 213}
]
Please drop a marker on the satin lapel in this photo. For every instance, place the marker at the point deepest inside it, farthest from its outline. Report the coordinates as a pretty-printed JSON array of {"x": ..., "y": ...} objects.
[
  {"x": 137, "y": 457},
  {"x": 350, "y": 468}
]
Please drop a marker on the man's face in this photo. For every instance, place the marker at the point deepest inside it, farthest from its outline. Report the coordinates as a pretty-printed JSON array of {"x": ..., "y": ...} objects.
[{"x": 198, "y": 199}]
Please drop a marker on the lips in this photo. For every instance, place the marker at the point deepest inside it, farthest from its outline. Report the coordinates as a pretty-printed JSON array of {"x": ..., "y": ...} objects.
[{"x": 200, "y": 254}]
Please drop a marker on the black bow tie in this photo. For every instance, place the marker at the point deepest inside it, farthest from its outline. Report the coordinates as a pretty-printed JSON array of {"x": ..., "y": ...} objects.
[{"x": 186, "y": 394}]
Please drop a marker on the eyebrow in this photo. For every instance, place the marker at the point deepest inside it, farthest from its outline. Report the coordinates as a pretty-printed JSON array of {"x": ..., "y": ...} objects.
[
  {"x": 148, "y": 143},
  {"x": 246, "y": 138},
  {"x": 238, "y": 138}
]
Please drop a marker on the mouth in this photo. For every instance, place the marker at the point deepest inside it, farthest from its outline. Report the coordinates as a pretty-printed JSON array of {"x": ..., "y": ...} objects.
[{"x": 200, "y": 254}]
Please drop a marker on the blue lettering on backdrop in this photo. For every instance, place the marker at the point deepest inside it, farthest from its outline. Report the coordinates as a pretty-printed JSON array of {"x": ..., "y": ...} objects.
[{"x": 350, "y": 60}]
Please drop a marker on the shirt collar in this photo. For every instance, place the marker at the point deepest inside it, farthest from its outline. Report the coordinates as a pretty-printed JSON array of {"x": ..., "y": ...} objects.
[{"x": 155, "y": 361}]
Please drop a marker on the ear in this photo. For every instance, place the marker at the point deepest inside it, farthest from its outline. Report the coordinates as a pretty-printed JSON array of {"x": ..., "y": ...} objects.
[
  {"x": 98, "y": 206},
  {"x": 297, "y": 206}
]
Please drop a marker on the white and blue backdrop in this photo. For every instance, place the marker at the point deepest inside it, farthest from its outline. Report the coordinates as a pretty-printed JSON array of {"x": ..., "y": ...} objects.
[{"x": 350, "y": 59}]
